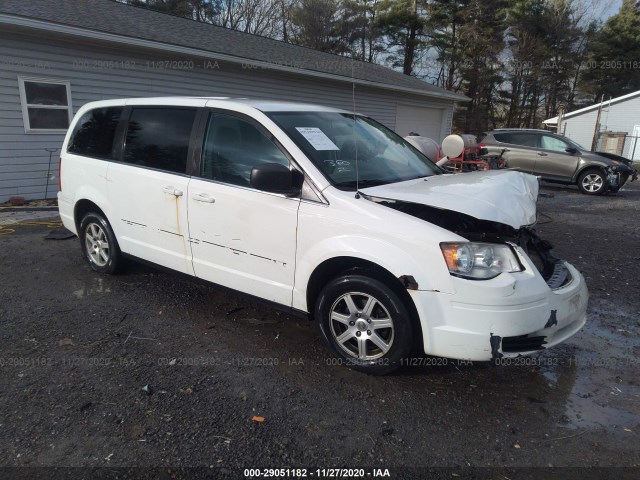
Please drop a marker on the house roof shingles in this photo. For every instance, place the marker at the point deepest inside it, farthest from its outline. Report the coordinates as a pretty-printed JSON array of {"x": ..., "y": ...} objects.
[{"x": 108, "y": 16}]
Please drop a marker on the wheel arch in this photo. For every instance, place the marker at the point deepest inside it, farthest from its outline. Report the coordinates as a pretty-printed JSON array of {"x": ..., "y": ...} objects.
[
  {"x": 337, "y": 266},
  {"x": 82, "y": 207},
  {"x": 585, "y": 168}
]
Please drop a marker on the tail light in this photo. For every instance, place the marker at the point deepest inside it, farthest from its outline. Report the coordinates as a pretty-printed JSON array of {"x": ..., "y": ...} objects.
[
  {"x": 60, "y": 174},
  {"x": 481, "y": 145}
]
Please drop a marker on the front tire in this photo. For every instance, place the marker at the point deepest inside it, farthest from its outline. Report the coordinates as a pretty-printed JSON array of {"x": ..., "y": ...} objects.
[
  {"x": 99, "y": 244},
  {"x": 592, "y": 182},
  {"x": 365, "y": 324}
]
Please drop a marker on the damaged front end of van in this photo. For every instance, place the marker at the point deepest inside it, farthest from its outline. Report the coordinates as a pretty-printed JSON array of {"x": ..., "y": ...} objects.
[{"x": 511, "y": 294}]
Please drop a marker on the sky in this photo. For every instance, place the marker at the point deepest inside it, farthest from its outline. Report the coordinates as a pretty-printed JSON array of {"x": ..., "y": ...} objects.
[
  {"x": 614, "y": 8},
  {"x": 598, "y": 9}
]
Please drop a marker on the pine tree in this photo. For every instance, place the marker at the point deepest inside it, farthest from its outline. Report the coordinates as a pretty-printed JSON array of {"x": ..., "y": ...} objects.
[
  {"x": 613, "y": 68},
  {"x": 402, "y": 23},
  {"x": 480, "y": 66}
]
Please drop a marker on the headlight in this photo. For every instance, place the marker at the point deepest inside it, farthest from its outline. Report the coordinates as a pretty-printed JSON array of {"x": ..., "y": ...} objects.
[{"x": 479, "y": 261}]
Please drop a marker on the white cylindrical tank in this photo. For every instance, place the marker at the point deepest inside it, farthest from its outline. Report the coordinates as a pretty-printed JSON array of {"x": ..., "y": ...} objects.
[{"x": 427, "y": 146}]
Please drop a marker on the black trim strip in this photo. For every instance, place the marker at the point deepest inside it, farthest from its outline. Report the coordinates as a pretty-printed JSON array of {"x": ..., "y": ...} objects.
[
  {"x": 171, "y": 233},
  {"x": 130, "y": 222}
]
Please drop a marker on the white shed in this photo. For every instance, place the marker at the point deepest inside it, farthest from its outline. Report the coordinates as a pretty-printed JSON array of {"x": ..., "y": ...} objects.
[{"x": 619, "y": 130}]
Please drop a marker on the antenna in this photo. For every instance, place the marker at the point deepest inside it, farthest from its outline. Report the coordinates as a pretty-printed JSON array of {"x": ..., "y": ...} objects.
[{"x": 353, "y": 125}]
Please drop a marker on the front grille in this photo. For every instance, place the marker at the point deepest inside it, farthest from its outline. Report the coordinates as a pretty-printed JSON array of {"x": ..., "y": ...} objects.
[{"x": 523, "y": 343}]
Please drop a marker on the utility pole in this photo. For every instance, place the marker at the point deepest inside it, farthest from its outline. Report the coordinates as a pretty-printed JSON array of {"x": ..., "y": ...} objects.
[
  {"x": 596, "y": 131},
  {"x": 560, "y": 118},
  {"x": 285, "y": 36}
]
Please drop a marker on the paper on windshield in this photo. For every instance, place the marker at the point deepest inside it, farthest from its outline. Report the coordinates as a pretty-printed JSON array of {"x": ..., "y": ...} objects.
[{"x": 317, "y": 138}]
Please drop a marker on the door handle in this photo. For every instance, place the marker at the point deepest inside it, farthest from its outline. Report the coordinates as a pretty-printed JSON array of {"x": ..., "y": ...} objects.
[
  {"x": 170, "y": 190},
  {"x": 542, "y": 154},
  {"x": 204, "y": 198}
]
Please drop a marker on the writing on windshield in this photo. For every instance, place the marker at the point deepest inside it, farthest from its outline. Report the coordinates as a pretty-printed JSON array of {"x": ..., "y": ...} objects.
[{"x": 348, "y": 147}]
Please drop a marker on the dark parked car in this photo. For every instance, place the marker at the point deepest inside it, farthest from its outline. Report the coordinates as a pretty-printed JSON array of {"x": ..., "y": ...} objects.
[{"x": 555, "y": 158}]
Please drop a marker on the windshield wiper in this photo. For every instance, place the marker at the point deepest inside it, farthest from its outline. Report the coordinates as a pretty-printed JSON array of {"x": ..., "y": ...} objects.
[
  {"x": 361, "y": 183},
  {"x": 422, "y": 176}
]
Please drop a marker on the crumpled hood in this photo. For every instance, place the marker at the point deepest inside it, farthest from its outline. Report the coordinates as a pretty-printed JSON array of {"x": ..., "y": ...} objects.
[{"x": 497, "y": 195}]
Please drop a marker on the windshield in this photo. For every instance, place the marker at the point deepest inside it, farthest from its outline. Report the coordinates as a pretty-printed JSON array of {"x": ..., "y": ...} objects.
[{"x": 333, "y": 141}]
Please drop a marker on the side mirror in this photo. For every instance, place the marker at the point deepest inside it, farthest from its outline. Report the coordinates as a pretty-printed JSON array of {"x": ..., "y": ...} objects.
[
  {"x": 276, "y": 178},
  {"x": 571, "y": 150}
]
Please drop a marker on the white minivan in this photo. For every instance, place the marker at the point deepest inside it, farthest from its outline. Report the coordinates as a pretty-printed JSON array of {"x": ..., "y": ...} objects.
[{"x": 327, "y": 214}]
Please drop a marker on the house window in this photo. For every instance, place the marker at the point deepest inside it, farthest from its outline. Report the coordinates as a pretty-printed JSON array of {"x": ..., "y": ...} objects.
[{"x": 46, "y": 104}]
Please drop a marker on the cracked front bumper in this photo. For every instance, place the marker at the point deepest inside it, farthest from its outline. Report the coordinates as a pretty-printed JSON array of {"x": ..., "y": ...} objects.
[{"x": 514, "y": 314}]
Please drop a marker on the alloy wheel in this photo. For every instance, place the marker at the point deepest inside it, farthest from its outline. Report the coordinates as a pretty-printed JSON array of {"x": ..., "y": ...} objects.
[
  {"x": 361, "y": 326},
  {"x": 592, "y": 182},
  {"x": 97, "y": 244}
]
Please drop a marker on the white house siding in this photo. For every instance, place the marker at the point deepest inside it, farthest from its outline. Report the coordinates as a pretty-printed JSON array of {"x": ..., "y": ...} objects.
[
  {"x": 617, "y": 117},
  {"x": 580, "y": 128},
  {"x": 23, "y": 158}
]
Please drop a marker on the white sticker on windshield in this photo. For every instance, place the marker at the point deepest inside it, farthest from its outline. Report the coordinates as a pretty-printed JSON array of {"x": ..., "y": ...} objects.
[{"x": 317, "y": 138}]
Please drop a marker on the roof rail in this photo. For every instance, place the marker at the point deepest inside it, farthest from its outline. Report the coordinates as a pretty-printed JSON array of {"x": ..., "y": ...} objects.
[{"x": 524, "y": 129}]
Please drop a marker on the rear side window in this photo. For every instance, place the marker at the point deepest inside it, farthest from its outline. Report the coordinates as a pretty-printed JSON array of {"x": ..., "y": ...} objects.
[
  {"x": 502, "y": 137},
  {"x": 515, "y": 138},
  {"x": 159, "y": 138},
  {"x": 94, "y": 133}
]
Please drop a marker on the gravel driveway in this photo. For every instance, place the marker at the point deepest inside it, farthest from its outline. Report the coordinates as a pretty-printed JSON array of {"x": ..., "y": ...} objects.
[{"x": 146, "y": 369}]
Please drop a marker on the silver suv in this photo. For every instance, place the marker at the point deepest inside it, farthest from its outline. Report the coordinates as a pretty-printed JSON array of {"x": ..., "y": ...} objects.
[{"x": 557, "y": 159}]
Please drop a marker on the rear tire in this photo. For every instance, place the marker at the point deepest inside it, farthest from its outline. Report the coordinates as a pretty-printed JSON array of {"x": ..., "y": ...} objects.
[
  {"x": 365, "y": 324},
  {"x": 592, "y": 182},
  {"x": 99, "y": 244}
]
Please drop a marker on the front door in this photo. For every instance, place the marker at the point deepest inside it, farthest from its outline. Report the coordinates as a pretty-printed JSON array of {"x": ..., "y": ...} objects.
[
  {"x": 241, "y": 238},
  {"x": 554, "y": 162}
]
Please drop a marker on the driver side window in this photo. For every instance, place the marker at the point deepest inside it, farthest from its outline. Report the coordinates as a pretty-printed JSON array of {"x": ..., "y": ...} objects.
[
  {"x": 552, "y": 143},
  {"x": 232, "y": 147}
]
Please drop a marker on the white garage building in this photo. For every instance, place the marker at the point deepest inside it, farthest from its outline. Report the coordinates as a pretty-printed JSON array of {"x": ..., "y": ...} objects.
[
  {"x": 619, "y": 130},
  {"x": 57, "y": 55}
]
